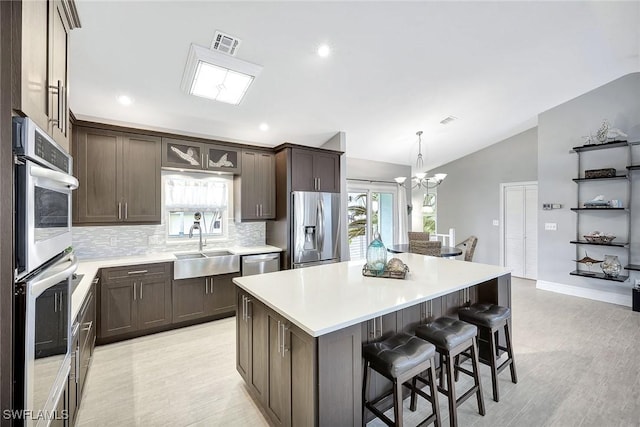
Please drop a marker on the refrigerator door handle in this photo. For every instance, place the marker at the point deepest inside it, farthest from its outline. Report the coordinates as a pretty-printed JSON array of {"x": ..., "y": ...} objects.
[{"x": 320, "y": 226}]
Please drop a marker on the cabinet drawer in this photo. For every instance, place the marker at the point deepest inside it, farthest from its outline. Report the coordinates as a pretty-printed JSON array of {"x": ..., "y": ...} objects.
[{"x": 115, "y": 273}]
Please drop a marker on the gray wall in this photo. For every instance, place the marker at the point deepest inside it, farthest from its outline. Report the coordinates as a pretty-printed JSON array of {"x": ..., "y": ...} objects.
[
  {"x": 469, "y": 198},
  {"x": 559, "y": 129}
]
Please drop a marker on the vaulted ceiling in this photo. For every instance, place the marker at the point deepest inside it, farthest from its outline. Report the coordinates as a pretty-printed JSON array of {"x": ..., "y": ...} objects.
[{"x": 394, "y": 68}]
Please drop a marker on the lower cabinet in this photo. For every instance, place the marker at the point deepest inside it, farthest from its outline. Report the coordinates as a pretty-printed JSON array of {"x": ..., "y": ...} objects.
[
  {"x": 277, "y": 361},
  {"x": 82, "y": 346},
  {"x": 134, "y": 299},
  {"x": 203, "y": 296}
]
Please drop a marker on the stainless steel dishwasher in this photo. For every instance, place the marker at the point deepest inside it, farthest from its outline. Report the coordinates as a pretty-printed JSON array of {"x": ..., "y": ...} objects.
[{"x": 258, "y": 264}]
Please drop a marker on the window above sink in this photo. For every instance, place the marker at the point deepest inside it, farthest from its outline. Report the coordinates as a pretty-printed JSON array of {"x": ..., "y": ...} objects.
[{"x": 186, "y": 193}]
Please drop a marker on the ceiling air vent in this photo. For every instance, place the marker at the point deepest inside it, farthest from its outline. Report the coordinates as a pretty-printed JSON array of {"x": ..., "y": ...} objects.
[
  {"x": 448, "y": 120},
  {"x": 225, "y": 43}
]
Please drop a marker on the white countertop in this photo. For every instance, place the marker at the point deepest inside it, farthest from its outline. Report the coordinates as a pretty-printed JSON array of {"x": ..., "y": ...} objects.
[
  {"x": 325, "y": 298},
  {"x": 90, "y": 267}
]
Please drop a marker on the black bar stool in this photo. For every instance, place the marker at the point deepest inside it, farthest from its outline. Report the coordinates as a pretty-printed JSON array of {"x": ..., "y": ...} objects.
[
  {"x": 400, "y": 358},
  {"x": 451, "y": 338},
  {"x": 490, "y": 318}
]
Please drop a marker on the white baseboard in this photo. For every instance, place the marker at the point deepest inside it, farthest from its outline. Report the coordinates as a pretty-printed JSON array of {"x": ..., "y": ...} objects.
[{"x": 594, "y": 294}]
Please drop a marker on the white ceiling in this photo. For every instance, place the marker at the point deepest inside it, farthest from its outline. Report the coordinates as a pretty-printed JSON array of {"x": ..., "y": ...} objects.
[{"x": 395, "y": 68}]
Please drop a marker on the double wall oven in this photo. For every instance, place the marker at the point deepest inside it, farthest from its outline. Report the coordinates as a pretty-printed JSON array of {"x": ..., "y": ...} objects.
[{"x": 44, "y": 266}]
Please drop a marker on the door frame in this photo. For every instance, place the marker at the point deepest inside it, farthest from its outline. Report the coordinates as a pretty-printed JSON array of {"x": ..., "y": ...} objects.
[
  {"x": 374, "y": 187},
  {"x": 503, "y": 187}
]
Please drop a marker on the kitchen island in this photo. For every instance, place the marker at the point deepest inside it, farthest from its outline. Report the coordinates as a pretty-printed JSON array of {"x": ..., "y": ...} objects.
[{"x": 300, "y": 332}]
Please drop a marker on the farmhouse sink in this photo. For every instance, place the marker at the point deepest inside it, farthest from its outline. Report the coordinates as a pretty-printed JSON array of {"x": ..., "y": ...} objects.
[{"x": 202, "y": 264}]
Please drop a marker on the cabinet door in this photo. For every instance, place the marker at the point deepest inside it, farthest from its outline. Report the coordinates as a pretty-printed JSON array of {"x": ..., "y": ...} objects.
[
  {"x": 97, "y": 165},
  {"x": 86, "y": 342},
  {"x": 250, "y": 186},
  {"x": 266, "y": 182},
  {"x": 189, "y": 299},
  {"x": 58, "y": 90},
  {"x": 118, "y": 308},
  {"x": 299, "y": 377},
  {"x": 141, "y": 178},
  {"x": 302, "y": 177},
  {"x": 326, "y": 168},
  {"x": 221, "y": 158},
  {"x": 277, "y": 401},
  {"x": 154, "y": 302},
  {"x": 221, "y": 295},
  {"x": 72, "y": 382},
  {"x": 412, "y": 317},
  {"x": 259, "y": 349},
  {"x": 243, "y": 337},
  {"x": 177, "y": 153},
  {"x": 34, "y": 87},
  {"x": 451, "y": 303}
]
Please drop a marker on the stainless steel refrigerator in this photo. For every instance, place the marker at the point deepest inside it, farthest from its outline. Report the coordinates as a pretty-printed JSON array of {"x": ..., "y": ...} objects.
[{"x": 315, "y": 228}]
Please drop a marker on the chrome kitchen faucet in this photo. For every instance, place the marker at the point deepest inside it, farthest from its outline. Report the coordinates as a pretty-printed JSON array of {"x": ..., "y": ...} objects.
[{"x": 196, "y": 226}]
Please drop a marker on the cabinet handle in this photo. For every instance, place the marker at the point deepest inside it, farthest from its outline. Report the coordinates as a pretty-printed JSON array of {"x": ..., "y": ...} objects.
[
  {"x": 77, "y": 373},
  {"x": 126, "y": 210},
  {"x": 318, "y": 184},
  {"x": 284, "y": 349},
  {"x": 278, "y": 337},
  {"x": 137, "y": 272},
  {"x": 378, "y": 331},
  {"x": 207, "y": 163},
  {"x": 119, "y": 210},
  {"x": 243, "y": 309},
  {"x": 55, "y": 302},
  {"x": 260, "y": 209},
  {"x": 257, "y": 214},
  {"x": 211, "y": 285},
  {"x": 134, "y": 291},
  {"x": 202, "y": 160},
  {"x": 59, "y": 90},
  {"x": 248, "y": 312},
  {"x": 206, "y": 285},
  {"x": 141, "y": 289}
]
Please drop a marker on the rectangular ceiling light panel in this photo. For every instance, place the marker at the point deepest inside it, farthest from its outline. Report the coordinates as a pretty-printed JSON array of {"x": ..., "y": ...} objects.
[{"x": 217, "y": 76}]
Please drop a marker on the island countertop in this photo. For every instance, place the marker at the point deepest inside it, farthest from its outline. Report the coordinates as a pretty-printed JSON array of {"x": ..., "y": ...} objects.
[{"x": 329, "y": 297}]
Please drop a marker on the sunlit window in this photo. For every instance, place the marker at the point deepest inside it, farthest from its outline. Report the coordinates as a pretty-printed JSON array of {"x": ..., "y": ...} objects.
[{"x": 186, "y": 194}]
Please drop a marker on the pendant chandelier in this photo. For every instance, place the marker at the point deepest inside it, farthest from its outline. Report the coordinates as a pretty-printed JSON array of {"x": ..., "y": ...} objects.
[{"x": 421, "y": 179}]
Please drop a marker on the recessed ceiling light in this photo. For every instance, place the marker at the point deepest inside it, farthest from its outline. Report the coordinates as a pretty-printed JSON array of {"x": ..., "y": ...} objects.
[
  {"x": 324, "y": 50},
  {"x": 448, "y": 120},
  {"x": 264, "y": 127},
  {"x": 125, "y": 100},
  {"x": 217, "y": 76}
]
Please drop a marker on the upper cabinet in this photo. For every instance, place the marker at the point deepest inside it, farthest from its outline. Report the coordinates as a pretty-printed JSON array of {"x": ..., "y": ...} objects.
[
  {"x": 255, "y": 189},
  {"x": 183, "y": 154},
  {"x": 119, "y": 176},
  {"x": 313, "y": 170},
  {"x": 42, "y": 46}
]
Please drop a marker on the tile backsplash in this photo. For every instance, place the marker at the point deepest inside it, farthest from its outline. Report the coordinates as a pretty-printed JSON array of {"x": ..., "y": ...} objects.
[{"x": 126, "y": 240}]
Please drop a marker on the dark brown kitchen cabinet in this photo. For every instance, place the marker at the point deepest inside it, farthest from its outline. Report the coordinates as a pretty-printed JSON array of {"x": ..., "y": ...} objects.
[
  {"x": 134, "y": 299},
  {"x": 185, "y": 154},
  {"x": 200, "y": 297},
  {"x": 87, "y": 337},
  {"x": 291, "y": 363},
  {"x": 255, "y": 189},
  {"x": 42, "y": 46},
  {"x": 252, "y": 350},
  {"x": 313, "y": 170},
  {"x": 119, "y": 176},
  {"x": 72, "y": 379}
]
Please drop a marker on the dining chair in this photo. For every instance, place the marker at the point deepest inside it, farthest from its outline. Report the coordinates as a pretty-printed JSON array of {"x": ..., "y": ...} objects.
[
  {"x": 418, "y": 235},
  {"x": 468, "y": 247},
  {"x": 425, "y": 248}
]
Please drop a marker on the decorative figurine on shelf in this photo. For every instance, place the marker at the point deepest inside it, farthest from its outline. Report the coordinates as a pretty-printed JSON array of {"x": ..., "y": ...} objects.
[
  {"x": 376, "y": 255},
  {"x": 590, "y": 140},
  {"x": 601, "y": 134},
  {"x": 588, "y": 261},
  {"x": 615, "y": 134},
  {"x": 611, "y": 266}
]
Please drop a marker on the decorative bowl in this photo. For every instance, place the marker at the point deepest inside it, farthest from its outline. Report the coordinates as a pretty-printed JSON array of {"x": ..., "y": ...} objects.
[{"x": 599, "y": 238}]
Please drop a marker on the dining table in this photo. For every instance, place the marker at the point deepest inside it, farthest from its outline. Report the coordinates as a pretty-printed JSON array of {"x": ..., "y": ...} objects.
[{"x": 445, "y": 251}]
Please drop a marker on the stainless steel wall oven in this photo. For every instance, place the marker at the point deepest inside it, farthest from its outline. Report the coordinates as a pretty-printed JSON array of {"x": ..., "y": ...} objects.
[{"x": 44, "y": 265}]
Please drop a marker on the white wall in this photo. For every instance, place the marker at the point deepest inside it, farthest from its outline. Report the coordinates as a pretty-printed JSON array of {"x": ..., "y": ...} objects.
[{"x": 560, "y": 129}]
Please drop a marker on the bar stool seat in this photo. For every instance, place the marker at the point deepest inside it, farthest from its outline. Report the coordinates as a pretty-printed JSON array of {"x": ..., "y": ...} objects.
[
  {"x": 400, "y": 358},
  {"x": 490, "y": 318},
  {"x": 451, "y": 338}
]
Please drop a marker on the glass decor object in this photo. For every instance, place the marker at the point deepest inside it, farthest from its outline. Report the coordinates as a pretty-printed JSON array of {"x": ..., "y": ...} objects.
[
  {"x": 376, "y": 254},
  {"x": 611, "y": 266}
]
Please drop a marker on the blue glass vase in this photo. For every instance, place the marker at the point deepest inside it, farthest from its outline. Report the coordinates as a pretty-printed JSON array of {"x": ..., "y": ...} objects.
[{"x": 376, "y": 255}]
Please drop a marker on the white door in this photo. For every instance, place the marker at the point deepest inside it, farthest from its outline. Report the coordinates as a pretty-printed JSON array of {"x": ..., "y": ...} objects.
[{"x": 520, "y": 228}]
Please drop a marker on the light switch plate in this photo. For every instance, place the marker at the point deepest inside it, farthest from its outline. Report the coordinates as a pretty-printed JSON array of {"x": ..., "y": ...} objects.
[
  {"x": 550, "y": 226},
  {"x": 496, "y": 222},
  {"x": 113, "y": 241}
]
